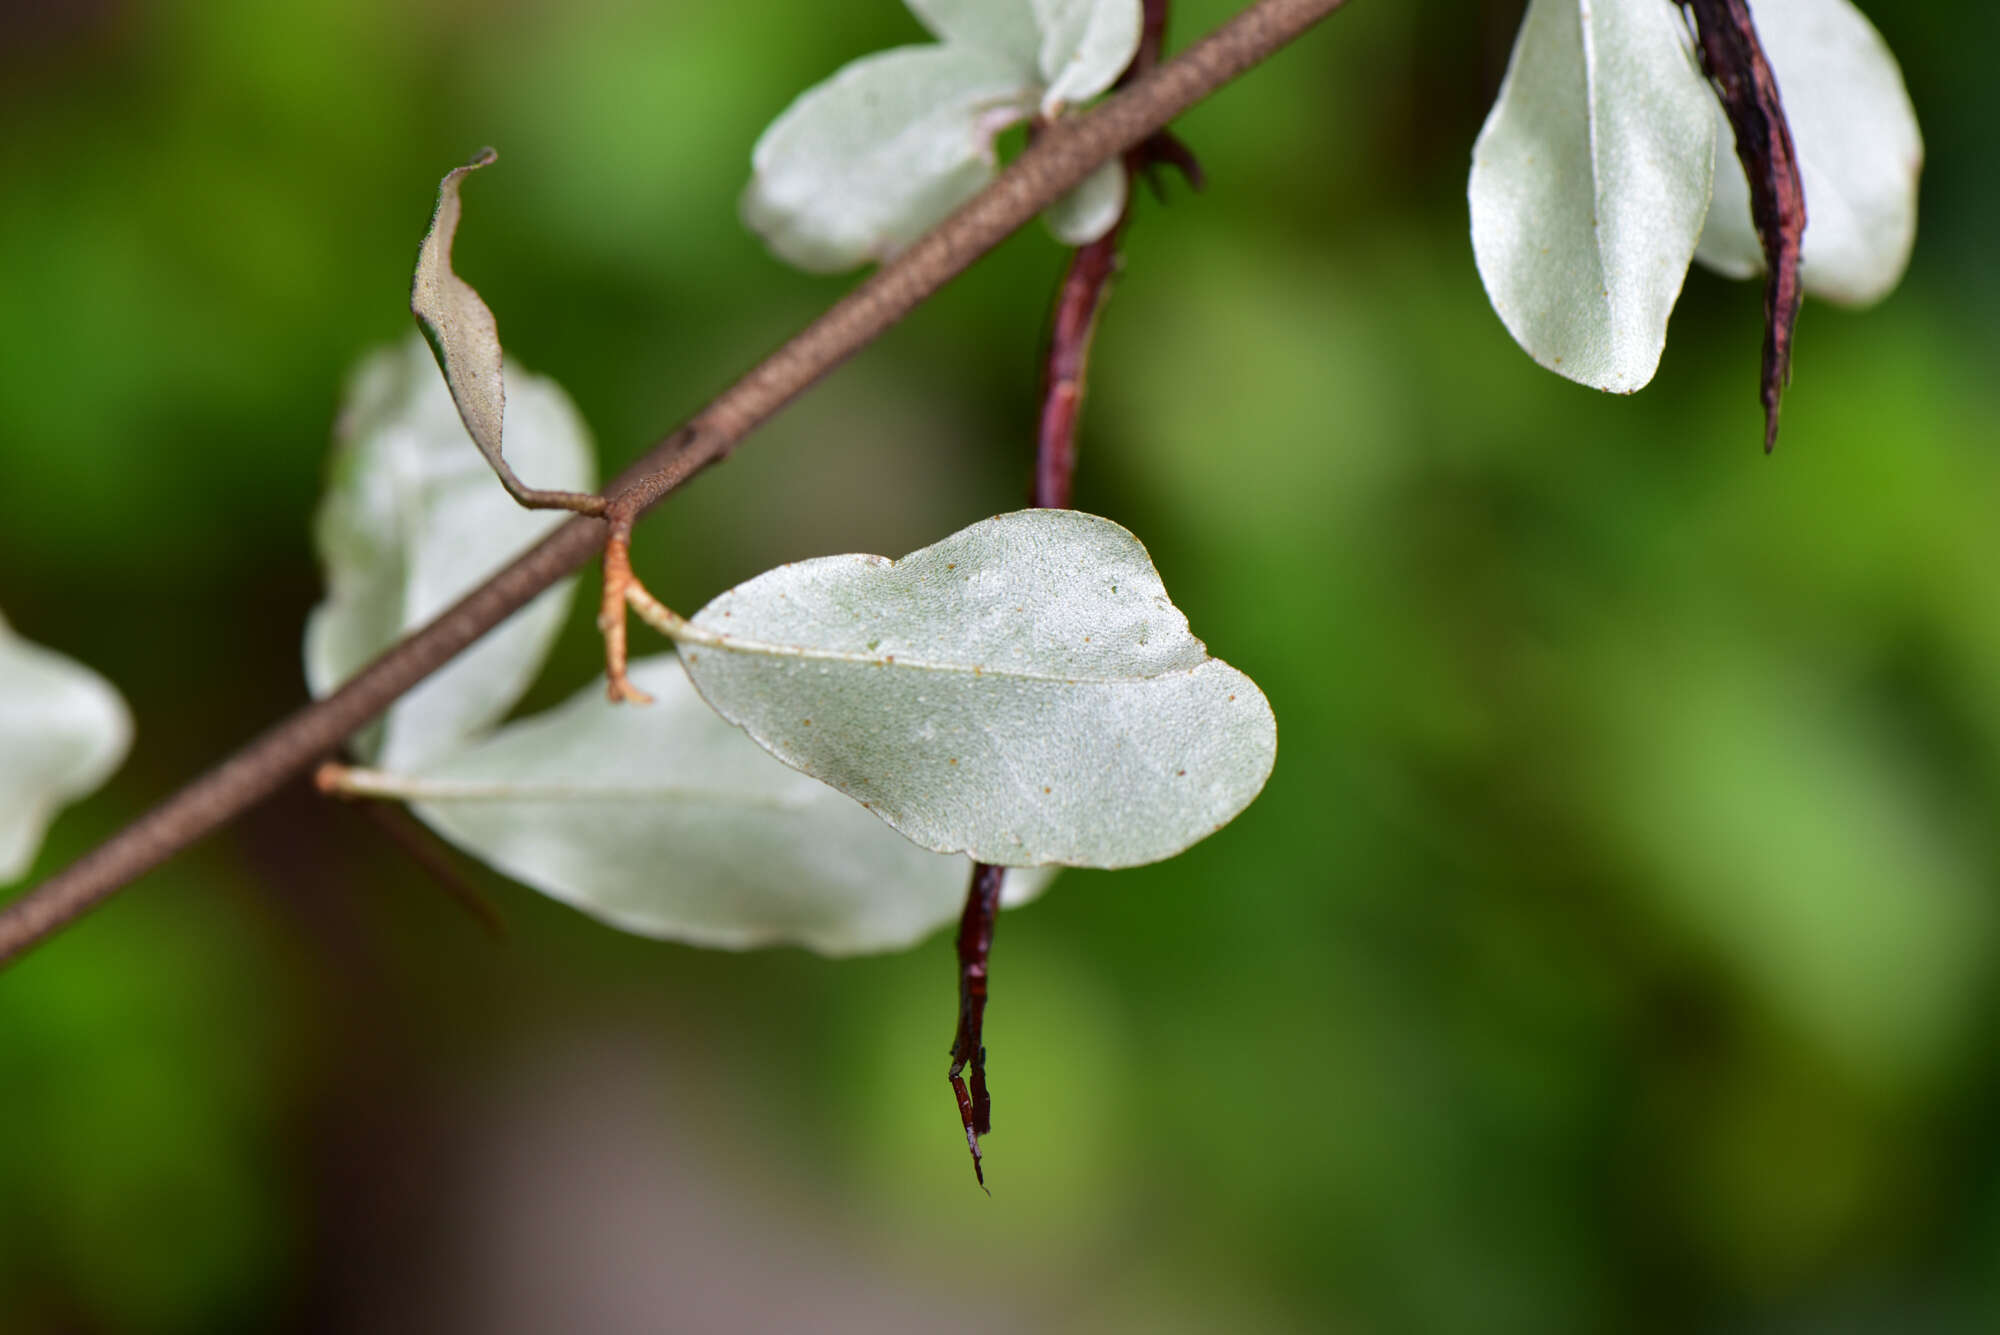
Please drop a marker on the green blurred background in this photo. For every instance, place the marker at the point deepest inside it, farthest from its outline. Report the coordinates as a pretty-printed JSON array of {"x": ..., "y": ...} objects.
[{"x": 1613, "y": 948}]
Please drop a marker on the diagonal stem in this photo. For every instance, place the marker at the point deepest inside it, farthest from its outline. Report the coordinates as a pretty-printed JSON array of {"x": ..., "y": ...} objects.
[{"x": 1041, "y": 175}]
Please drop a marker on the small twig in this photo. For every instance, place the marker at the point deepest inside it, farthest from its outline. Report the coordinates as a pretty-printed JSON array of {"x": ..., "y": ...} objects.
[
  {"x": 1078, "y": 301},
  {"x": 975, "y": 945},
  {"x": 1736, "y": 65},
  {"x": 422, "y": 847},
  {"x": 1039, "y": 177}
]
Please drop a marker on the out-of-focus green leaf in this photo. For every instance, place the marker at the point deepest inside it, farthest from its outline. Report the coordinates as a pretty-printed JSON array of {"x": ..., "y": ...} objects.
[
  {"x": 1859, "y": 155},
  {"x": 466, "y": 338},
  {"x": 667, "y": 821},
  {"x": 1023, "y": 691},
  {"x": 1589, "y": 184},
  {"x": 411, "y": 522},
  {"x": 63, "y": 730},
  {"x": 1775, "y": 822},
  {"x": 863, "y": 164}
]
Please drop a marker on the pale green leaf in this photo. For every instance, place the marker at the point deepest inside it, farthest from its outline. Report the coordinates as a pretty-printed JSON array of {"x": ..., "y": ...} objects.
[
  {"x": 863, "y": 164},
  {"x": 1008, "y": 29},
  {"x": 667, "y": 821},
  {"x": 1022, "y": 691},
  {"x": 1859, "y": 155},
  {"x": 63, "y": 730},
  {"x": 1092, "y": 209},
  {"x": 1086, "y": 45},
  {"x": 411, "y": 522},
  {"x": 1589, "y": 184}
]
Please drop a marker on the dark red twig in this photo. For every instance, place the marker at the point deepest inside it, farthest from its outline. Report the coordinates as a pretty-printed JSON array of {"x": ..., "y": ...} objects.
[
  {"x": 1078, "y": 301},
  {"x": 975, "y": 946},
  {"x": 1736, "y": 65},
  {"x": 1035, "y": 180}
]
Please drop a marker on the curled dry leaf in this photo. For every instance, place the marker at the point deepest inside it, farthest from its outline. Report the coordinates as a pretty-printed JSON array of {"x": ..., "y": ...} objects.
[
  {"x": 1748, "y": 92},
  {"x": 1859, "y": 150},
  {"x": 668, "y": 822},
  {"x": 466, "y": 340},
  {"x": 1023, "y": 691},
  {"x": 63, "y": 730}
]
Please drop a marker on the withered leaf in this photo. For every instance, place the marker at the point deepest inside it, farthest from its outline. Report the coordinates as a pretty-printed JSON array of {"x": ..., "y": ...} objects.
[
  {"x": 1735, "y": 62},
  {"x": 466, "y": 340}
]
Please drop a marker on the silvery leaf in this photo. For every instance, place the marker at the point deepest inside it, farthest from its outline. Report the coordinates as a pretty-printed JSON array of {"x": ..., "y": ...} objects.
[
  {"x": 411, "y": 522},
  {"x": 1086, "y": 45},
  {"x": 1092, "y": 209},
  {"x": 863, "y": 164},
  {"x": 1023, "y": 691},
  {"x": 1006, "y": 29},
  {"x": 1589, "y": 184},
  {"x": 1859, "y": 155},
  {"x": 668, "y": 822},
  {"x": 63, "y": 730}
]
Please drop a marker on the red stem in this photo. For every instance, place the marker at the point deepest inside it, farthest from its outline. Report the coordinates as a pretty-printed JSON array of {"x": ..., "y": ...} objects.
[
  {"x": 1072, "y": 327},
  {"x": 975, "y": 944},
  {"x": 1078, "y": 301}
]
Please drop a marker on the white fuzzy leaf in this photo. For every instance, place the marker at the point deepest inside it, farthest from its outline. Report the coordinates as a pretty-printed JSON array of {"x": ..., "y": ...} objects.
[
  {"x": 1086, "y": 45},
  {"x": 1009, "y": 29},
  {"x": 411, "y": 521},
  {"x": 63, "y": 730},
  {"x": 1858, "y": 147},
  {"x": 1589, "y": 184},
  {"x": 666, "y": 821},
  {"x": 1092, "y": 209},
  {"x": 1022, "y": 691},
  {"x": 863, "y": 164}
]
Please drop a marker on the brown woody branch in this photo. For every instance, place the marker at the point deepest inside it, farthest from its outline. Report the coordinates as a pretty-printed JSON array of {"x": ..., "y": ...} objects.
[{"x": 1050, "y": 168}]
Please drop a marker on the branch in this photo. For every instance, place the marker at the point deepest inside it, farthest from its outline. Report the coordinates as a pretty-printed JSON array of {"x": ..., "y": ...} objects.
[{"x": 1041, "y": 175}]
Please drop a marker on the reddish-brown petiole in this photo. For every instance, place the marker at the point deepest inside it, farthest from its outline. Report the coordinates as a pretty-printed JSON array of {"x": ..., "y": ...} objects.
[{"x": 619, "y": 581}]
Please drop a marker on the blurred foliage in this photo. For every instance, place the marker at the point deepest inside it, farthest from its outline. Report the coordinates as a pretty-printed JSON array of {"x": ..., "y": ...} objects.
[{"x": 1613, "y": 948}]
